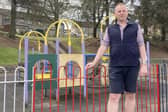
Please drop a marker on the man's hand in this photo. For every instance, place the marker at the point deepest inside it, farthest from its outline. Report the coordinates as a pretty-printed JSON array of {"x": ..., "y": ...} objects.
[
  {"x": 89, "y": 65},
  {"x": 143, "y": 70}
]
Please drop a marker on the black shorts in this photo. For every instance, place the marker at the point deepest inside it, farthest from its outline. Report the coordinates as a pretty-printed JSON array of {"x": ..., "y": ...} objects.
[{"x": 123, "y": 79}]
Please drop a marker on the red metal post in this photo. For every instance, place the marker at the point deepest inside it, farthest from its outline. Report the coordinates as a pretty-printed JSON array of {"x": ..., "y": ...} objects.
[
  {"x": 150, "y": 78},
  {"x": 105, "y": 90},
  {"x": 122, "y": 98},
  {"x": 58, "y": 78},
  {"x": 137, "y": 96},
  {"x": 34, "y": 88},
  {"x": 146, "y": 94},
  {"x": 86, "y": 90},
  {"x": 80, "y": 87},
  {"x": 66, "y": 74},
  {"x": 50, "y": 84},
  {"x": 99, "y": 73},
  {"x": 80, "y": 97},
  {"x": 73, "y": 79},
  {"x": 154, "y": 73},
  {"x": 93, "y": 88},
  {"x": 158, "y": 87},
  {"x": 141, "y": 96},
  {"x": 42, "y": 89}
]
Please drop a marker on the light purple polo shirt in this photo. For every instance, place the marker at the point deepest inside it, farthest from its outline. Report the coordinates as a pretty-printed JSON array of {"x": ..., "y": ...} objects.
[{"x": 140, "y": 40}]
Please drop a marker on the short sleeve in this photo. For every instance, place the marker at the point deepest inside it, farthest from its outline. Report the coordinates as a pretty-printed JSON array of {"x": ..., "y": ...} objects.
[
  {"x": 105, "y": 40},
  {"x": 140, "y": 38}
]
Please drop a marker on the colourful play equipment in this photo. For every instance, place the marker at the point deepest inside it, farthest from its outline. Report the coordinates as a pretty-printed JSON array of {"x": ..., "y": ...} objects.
[
  {"x": 57, "y": 59},
  {"x": 26, "y": 37},
  {"x": 64, "y": 59}
]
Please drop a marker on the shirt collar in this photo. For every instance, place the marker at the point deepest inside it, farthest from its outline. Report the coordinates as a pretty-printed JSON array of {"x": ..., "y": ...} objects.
[{"x": 128, "y": 22}]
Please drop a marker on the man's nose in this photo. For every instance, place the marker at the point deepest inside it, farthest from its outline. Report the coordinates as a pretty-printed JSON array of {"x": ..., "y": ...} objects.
[{"x": 122, "y": 12}]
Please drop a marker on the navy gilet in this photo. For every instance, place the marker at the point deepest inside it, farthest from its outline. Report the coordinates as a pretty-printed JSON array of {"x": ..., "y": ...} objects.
[{"x": 124, "y": 52}]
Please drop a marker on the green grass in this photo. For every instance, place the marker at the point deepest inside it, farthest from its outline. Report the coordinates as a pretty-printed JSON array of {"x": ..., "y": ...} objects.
[{"x": 8, "y": 56}]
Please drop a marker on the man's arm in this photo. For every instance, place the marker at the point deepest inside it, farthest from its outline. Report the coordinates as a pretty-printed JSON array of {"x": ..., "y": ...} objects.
[
  {"x": 102, "y": 49},
  {"x": 99, "y": 54},
  {"x": 140, "y": 40},
  {"x": 143, "y": 66},
  {"x": 143, "y": 54}
]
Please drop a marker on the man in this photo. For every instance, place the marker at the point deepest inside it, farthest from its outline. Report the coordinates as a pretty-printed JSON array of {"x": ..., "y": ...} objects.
[{"x": 126, "y": 47}]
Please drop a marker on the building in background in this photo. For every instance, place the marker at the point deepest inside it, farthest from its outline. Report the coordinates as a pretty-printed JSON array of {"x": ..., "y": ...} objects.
[
  {"x": 5, "y": 7},
  {"x": 73, "y": 13}
]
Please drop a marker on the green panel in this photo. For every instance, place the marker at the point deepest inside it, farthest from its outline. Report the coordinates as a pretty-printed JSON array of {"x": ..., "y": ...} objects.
[{"x": 52, "y": 58}]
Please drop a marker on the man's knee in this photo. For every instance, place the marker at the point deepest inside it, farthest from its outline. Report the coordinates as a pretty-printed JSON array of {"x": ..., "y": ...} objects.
[
  {"x": 130, "y": 96},
  {"x": 114, "y": 97}
]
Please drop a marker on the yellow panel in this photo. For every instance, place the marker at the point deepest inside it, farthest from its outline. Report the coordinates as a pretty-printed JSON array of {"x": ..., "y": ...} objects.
[
  {"x": 45, "y": 76},
  {"x": 63, "y": 59},
  {"x": 103, "y": 77}
]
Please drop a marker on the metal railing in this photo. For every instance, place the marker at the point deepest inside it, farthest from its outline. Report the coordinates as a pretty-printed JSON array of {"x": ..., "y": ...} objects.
[{"x": 151, "y": 93}]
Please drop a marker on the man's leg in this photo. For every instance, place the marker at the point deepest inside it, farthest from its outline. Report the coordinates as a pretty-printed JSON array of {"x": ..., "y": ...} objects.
[
  {"x": 130, "y": 102},
  {"x": 130, "y": 88},
  {"x": 113, "y": 102}
]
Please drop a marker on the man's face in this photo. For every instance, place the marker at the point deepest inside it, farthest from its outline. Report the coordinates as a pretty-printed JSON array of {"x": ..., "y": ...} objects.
[{"x": 121, "y": 13}]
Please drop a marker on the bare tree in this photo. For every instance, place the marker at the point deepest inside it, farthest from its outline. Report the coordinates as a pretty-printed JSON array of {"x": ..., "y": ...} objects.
[
  {"x": 94, "y": 11},
  {"x": 36, "y": 11},
  {"x": 13, "y": 19},
  {"x": 50, "y": 9}
]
